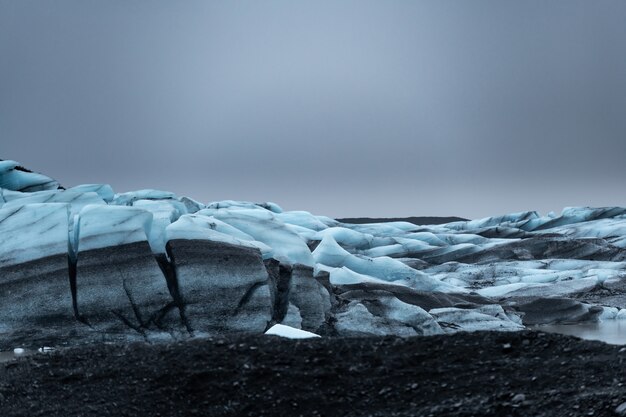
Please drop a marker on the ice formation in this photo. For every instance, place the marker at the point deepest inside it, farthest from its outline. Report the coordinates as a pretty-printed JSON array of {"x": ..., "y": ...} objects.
[
  {"x": 89, "y": 262},
  {"x": 289, "y": 332}
]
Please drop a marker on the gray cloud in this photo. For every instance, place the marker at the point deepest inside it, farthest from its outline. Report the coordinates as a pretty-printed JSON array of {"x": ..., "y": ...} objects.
[{"x": 342, "y": 108}]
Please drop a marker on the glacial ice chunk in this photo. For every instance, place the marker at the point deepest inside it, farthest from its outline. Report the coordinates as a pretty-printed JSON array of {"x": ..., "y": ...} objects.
[
  {"x": 104, "y": 226},
  {"x": 489, "y": 317},
  {"x": 126, "y": 199},
  {"x": 164, "y": 212},
  {"x": 289, "y": 332},
  {"x": 191, "y": 205},
  {"x": 232, "y": 204},
  {"x": 75, "y": 200},
  {"x": 286, "y": 246},
  {"x": 103, "y": 190},
  {"x": 32, "y": 232},
  {"x": 344, "y": 276},
  {"x": 301, "y": 218},
  {"x": 346, "y": 237},
  {"x": 198, "y": 227},
  {"x": 13, "y": 177},
  {"x": 329, "y": 253}
]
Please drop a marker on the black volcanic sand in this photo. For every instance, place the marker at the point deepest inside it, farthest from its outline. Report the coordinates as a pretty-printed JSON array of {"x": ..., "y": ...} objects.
[{"x": 479, "y": 374}]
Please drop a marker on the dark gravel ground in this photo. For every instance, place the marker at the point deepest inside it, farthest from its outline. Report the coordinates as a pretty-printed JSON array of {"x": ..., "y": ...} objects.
[{"x": 479, "y": 374}]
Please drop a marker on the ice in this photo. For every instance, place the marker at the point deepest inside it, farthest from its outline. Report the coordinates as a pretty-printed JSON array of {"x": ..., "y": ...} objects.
[
  {"x": 459, "y": 238},
  {"x": 616, "y": 284},
  {"x": 489, "y": 317},
  {"x": 452, "y": 252},
  {"x": 286, "y": 246},
  {"x": 500, "y": 291},
  {"x": 164, "y": 212},
  {"x": 46, "y": 349},
  {"x": 12, "y": 177},
  {"x": 578, "y": 255},
  {"x": 223, "y": 281},
  {"x": 126, "y": 199},
  {"x": 191, "y": 205},
  {"x": 609, "y": 313},
  {"x": 604, "y": 228},
  {"x": 9, "y": 195},
  {"x": 232, "y": 204},
  {"x": 427, "y": 237},
  {"x": 119, "y": 285},
  {"x": 560, "y": 288},
  {"x": 382, "y": 229},
  {"x": 292, "y": 318},
  {"x": 548, "y": 277},
  {"x": 103, "y": 190},
  {"x": 307, "y": 235},
  {"x": 582, "y": 265},
  {"x": 329, "y": 253},
  {"x": 619, "y": 242},
  {"x": 344, "y": 276},
  {"x": 395, "y": 250},
  {"x": 357, "y": 320},
  {"x": 301, "y": 218},
  {"x": 499, "y": 273},
  {"x": 198, "y": 227},
  {"x": 536, "y": 224},
  {"x": 35, "y": 292},
  {"x": 32, "y": 232},
  {"x": 383, "y": 314},
  {"x": 402, "y": 247},
  {"x": 346, "y": 237},
  {"x": 222, "y": 227},
  {"x": 289, "y": 332},
  {"x": 505, "y": 220},
  {"x": 412, "y": 315},
  {"x": 104, "y": 226},
  {"x": 446, "y": 239},
  {"x": 329, "y": 222},
  {"x": 511, "y": 272},
  {"x": 273, "y": 207},
  {"x": 603, "y": 274},
  {"x": 551, "y": 310},
  {"x": 7, "y": 166},
  {"x": 75, "y": 200},
  {"x": 573, "y": 215}
]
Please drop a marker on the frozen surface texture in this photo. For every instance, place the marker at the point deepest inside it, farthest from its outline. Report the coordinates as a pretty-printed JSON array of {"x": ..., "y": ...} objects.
[{"x": 149, "y": 264}]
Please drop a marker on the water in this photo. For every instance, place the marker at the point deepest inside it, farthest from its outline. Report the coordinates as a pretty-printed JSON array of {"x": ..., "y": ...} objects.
[{"x": 608, "y": 331}]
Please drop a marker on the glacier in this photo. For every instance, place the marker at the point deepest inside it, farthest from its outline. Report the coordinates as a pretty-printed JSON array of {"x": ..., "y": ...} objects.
[{"x": 87, "y": 264}]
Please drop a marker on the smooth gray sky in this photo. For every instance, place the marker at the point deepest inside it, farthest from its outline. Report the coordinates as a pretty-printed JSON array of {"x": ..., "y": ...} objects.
[{"x": 343, "y": 108}]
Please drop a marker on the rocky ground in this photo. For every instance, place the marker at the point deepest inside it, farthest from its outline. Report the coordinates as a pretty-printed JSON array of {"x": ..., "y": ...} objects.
[{"x": 467, "y": 374}]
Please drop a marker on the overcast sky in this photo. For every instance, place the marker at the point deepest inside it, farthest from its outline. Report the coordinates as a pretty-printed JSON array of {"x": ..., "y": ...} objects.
[{"x": 342, "y": 108}]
